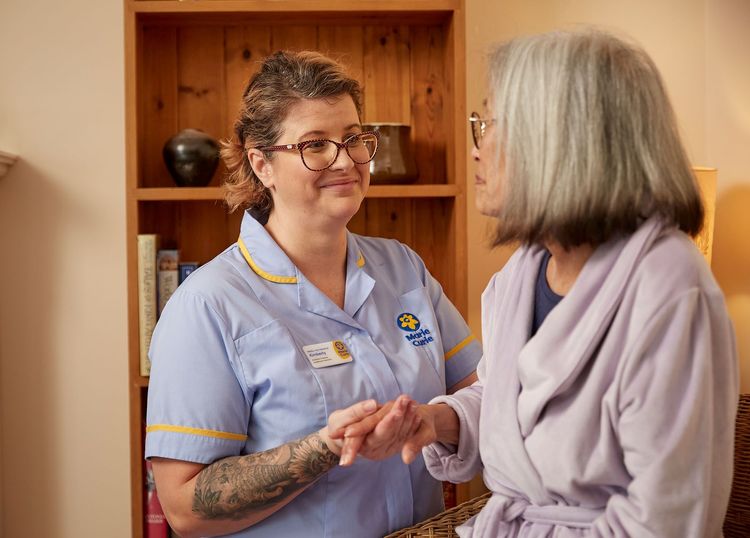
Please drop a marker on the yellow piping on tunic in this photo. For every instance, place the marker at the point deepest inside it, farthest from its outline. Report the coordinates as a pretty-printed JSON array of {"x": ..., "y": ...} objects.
[
  {"x": 462, "y": 344},
  {"x": 260, "y": 272},
  {"x": 196, "y": 431}
]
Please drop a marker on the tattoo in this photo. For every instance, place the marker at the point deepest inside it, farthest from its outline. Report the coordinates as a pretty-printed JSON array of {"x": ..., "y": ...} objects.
[{"x": 238, "y": 486}]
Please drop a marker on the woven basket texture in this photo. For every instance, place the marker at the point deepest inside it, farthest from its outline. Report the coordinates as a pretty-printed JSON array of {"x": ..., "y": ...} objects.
[
  {"x": 737, "y": 520},
  {"x": 444, "y": 524}
]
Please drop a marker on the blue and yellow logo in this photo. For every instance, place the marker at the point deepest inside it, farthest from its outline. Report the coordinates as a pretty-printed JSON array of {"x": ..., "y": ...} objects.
[{"x": 407, "y": 322}]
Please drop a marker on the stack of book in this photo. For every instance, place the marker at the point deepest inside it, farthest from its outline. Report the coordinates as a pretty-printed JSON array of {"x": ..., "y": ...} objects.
[{"x": 160, "y": 271}]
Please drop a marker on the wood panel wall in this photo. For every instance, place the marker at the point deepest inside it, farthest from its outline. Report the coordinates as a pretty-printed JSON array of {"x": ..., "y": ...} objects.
[{"x": 194, "y": 76}]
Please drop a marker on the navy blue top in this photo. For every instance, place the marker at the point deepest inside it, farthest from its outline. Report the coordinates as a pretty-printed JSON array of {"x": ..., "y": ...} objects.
[{"x": 544, "y": 298}]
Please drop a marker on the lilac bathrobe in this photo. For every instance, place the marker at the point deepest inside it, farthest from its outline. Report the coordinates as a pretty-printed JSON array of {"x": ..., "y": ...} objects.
[{"x": 617, "y": 417}]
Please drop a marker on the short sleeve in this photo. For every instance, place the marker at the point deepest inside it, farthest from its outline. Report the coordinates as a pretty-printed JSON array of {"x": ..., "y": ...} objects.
[
  {"x": 197, "y": 408},
  {"x": 461, "y": 349}
]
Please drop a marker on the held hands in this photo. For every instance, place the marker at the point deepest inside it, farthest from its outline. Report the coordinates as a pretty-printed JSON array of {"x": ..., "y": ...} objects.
[{"x": 379, "y": 432}]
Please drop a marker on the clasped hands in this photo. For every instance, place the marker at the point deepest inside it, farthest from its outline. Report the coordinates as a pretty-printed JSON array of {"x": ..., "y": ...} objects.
[{"x": 378, "y": 432}]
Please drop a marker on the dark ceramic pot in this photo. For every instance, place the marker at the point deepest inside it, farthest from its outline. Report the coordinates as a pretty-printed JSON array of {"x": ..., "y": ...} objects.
[
  {"x": 191, "y": 157},
  {"x": 394, "y": 161}
]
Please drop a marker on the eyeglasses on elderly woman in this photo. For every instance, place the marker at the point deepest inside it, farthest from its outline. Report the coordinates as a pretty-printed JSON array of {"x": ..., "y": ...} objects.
[
  {"x": 478, "y": 128},
  {"x": 319, "y": 154}
]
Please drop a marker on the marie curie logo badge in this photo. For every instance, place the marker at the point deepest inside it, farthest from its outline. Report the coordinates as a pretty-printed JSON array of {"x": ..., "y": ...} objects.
[
  {"x": 408, "y": 322},
  {"x": 417, "y": 335}
]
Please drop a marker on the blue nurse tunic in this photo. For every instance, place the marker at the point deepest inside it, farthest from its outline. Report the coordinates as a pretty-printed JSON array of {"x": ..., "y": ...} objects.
[{"x": 230, "y": 376}]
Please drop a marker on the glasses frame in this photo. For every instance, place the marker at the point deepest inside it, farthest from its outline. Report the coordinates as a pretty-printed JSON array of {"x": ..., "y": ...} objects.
[
  {"x": 478, "y": 128},
  {"x": 300, "y": 146}
]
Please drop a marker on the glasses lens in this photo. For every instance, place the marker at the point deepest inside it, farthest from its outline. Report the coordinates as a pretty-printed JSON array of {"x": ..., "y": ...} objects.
[
  {"x": 476, "y": 129},
  {"x": 362, "y": 147},
  {"x": 319, "y": 154}
]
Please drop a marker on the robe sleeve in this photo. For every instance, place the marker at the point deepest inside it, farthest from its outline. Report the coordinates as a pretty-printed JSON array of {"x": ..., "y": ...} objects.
[
  {"x": 459, "y": 463},
  {"x": 677, "y": 399}
]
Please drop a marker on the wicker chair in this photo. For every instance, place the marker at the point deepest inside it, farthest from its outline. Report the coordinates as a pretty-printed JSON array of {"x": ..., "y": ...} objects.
[
  {"x": 444, "y": 524},
  {"x": 736, "y": 523}
]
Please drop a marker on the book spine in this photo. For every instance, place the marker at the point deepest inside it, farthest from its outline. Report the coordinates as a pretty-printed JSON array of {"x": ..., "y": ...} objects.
[
  {"x": 449, "y": 495},
  {"x": 185, "y": 269},
  {"x": 167, "y": 275},
  {"x": 147, "y": 306},
  {"x": 155, "y": 521}
]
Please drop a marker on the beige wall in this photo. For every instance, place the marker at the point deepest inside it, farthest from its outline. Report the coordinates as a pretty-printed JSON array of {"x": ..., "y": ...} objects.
[
  {"x": 728, "y": 148},
  {"x": 63, "y": 394},
  {"x": 63, "y": 390}
]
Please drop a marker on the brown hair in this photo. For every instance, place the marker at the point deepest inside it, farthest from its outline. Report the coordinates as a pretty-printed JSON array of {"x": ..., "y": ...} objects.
[
  {"x": 590, "y": 141},
  {"x": 284, "y": 78}
]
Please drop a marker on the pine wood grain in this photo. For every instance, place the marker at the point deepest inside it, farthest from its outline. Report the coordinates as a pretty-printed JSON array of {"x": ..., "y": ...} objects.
[
  {"x": 245, "y": 47},
  {"x": 427, "y": 103},
  {"x": 158, "y": 102},
  {"x": 387, "y": 75},
  {"x": 201, "y": 98}
]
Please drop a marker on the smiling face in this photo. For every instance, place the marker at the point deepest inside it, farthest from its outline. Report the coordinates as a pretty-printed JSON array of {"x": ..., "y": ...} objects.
[
  {"x": 328, "y": 197},
  {"x": 489, "y": 178}
]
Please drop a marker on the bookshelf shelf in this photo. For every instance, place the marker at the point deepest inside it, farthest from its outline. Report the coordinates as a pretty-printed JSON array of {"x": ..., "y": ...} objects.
[
  {"x": 186, "y": 66},
  {"x": 255, "y": 7},
  {"x": 375, "y": 191},
  {"x": 140, "y": 381}
]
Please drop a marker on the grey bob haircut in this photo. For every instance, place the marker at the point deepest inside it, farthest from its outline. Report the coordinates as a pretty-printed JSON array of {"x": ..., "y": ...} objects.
[{"x": 589, "y": 139}]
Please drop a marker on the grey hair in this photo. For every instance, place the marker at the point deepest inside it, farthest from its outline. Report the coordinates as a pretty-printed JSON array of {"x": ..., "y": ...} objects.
[{"x": 588, "y": 141}]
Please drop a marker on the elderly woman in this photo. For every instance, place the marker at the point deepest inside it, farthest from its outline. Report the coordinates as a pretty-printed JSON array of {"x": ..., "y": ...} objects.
[
  {"x": 259, "y": 347},
  {"x": 607, "y": 393}
]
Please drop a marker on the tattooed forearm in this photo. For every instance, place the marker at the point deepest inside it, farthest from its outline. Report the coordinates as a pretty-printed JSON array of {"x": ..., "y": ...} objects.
[{"x": 234, "y": 488}]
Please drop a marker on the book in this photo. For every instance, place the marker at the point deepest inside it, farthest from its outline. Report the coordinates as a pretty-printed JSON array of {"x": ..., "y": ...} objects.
[
  {"x": 148, "y": 245},
  {"x": 185, "y": 268},
  {"x": 166, "y": 275},
  {"x": 156, "y": 522},
  {"x": 449, "y": 495}
]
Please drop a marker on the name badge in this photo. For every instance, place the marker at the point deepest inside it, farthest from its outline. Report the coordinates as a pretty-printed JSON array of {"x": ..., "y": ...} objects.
[{"x": 327, "y": 354}]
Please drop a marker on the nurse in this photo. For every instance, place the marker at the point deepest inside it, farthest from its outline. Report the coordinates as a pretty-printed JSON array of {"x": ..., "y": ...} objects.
[{"x": 260, "y": 357}]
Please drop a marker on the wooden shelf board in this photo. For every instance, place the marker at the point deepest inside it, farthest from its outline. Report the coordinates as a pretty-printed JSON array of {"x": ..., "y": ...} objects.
[
  {"x": 178, "y": 193},
  {"x": 140, "y": 381},
  {"x": 375, "y": 191},
  {"x": 287, "y": 6}
]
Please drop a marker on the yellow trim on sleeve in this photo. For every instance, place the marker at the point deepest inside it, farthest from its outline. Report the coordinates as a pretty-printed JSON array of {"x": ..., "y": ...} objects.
[
  {"x": 462, "y": 344},
  {"x": 360, "y": 260},
  {"x": 196, "y": 431},
  {"x": 260, "y": 272}
]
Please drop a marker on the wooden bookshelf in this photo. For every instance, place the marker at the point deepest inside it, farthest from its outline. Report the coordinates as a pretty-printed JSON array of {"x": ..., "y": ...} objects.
[{"x": 186, "y": 66}]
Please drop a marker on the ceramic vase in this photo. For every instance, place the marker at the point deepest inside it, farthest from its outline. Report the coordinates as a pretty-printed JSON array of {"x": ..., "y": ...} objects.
[{"x": 191, "y": 157}]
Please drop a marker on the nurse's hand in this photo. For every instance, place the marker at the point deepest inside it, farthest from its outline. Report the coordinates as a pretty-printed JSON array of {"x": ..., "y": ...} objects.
[
  {"x": 333, "y": 434},
  {"x": 382, "y": 434}
]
